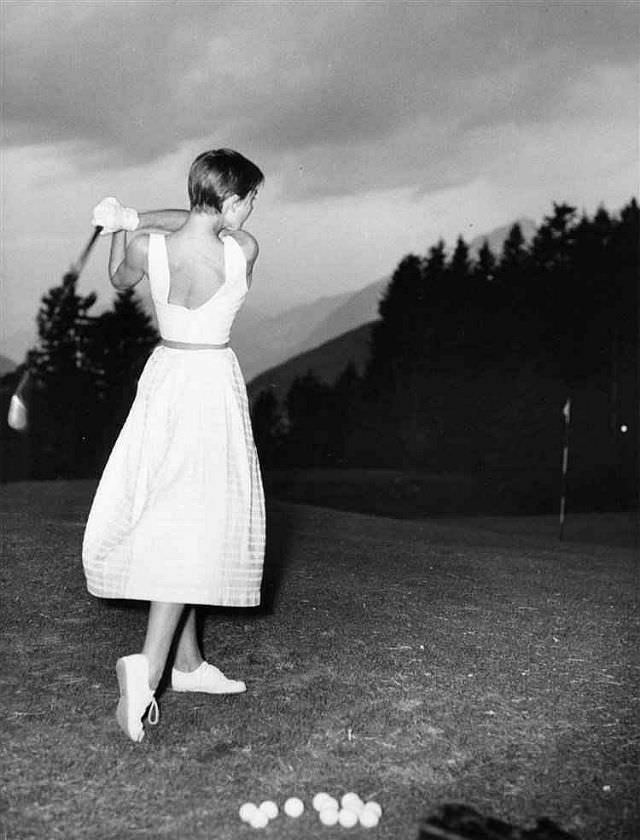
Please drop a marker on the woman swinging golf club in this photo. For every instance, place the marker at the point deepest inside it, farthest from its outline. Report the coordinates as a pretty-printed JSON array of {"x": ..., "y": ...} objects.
[{"x": 178, "y": 516}]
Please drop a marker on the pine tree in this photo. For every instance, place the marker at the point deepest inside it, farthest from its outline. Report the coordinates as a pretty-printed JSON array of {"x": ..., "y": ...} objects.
[
  {"x": 518, "y": 329},
  {"x": 399, "y": 330},
  {"x": 461, "y": 300},
  {"x": 267, "y": 423},
  {"x": 512, "y": 265},
  {"x": 458, "y": 270},
  {"x": 484, "y": 269},
  {"x": 64, "y": 403},
  {"x": 346, "y": 403},
  {"x": 556, "y": 291},
  {"x": 308, "y": 406},
  {"x": 432, "y": 310}
]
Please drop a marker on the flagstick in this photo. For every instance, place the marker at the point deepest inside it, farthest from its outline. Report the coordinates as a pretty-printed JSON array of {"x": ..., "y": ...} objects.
[{"x": 565, "y": 462}]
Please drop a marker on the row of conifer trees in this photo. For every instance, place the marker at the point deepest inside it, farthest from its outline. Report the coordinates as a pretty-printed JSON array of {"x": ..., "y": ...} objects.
[
  {"x": 473, "y": 359},
  {"x": 83, "y": 373}
]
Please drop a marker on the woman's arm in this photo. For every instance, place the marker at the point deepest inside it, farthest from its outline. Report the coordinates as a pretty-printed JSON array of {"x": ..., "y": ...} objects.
[
  {"x": 250, "y": 249},
  {"x": 112, "y": 216},
  {"x": 161, "y": 220},
  {"x": 127, "y": 262}
]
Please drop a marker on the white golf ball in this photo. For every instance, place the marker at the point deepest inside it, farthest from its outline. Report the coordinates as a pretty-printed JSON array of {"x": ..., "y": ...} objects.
[
  {"x": 331, "y": 802},
  {"x": 293, "y": 807},
  {"x": 347, "y": 818},
  {"x": 259, "y": 819},
  {"x": 373, "y": 806},
  {"x": 368, "y": 818},
  {"x": 328, "y": 816},
  {"x": 247, "y": 811},
  {"x": 269, "y": 808},
  {"x": 353, "y": 802},
  {"x": 319, "y": 800}
]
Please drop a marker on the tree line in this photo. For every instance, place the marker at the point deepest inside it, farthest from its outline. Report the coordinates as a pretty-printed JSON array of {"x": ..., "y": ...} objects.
[
  {"x": 470, "y": 363},
  {"x": 83, "y": 373},
  {"x": 473, "y": 358}
]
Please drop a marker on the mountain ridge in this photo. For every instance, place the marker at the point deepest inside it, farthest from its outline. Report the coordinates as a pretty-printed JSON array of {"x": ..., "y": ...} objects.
[
  {"x": 262, "y": 345},
  {"x": 7, "y": 365},
  {"x": 326, "y": 362}
]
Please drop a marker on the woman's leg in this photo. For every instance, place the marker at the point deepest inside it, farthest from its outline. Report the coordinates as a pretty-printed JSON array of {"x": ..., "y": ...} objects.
[
  {"x": 161, "y": 627},
  {"x": 190, "y": 672},
  {"x": 188, "y": 654}
]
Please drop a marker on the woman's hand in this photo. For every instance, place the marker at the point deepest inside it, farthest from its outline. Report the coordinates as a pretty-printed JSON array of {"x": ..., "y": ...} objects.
[{"x": 112, "y": 216}]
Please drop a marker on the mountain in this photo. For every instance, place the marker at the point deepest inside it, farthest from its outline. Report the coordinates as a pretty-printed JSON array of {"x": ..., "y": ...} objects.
[
  {"x": 7, "y": 365},
  {"x": 359, "y": 308},
  {"x": 496, "y": 237},
  {"x": 15, "y": 341},
  {"x": 326, "y": 361},
  {"x": 264, "y": 343}
]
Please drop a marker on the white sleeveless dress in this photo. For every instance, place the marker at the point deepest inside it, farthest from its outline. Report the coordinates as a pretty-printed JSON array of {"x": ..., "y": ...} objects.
[{"x": 179, "y": 511}]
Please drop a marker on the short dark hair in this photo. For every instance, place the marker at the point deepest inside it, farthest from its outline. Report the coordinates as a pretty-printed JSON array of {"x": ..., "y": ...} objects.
[{"x": 217, "y": 174}]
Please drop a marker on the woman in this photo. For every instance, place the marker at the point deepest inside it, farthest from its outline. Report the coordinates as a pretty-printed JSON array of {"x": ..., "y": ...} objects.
[{"x": 178, "y": 516}]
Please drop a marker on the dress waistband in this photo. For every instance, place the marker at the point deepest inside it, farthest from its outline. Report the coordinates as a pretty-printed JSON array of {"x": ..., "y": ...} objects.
[{"x": 185, "y": 345}]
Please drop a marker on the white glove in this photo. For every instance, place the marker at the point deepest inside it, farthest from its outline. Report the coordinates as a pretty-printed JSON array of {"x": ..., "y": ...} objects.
[{"x": 111, "y": 216}]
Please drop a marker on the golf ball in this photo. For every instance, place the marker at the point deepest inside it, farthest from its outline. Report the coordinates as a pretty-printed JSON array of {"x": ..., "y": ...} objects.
[
  {"x": 368, "y": 818},
  {"x": 259, "y": 819},
  {"x": 352, "y": 802},
  {"x": 373, "y": 806},
  {"x": 347, "y": 818},
  {"x": 293, "y": 807},
  {"x": 328, "y": 816},
  {"x": 319, "y": 800},
  {"x": 247, "y": 811},
  {"x": 269, "y": 808}
]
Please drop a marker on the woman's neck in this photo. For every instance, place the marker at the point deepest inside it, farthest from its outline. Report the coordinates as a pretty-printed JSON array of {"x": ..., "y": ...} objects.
[{"x": 203, "y": 224}]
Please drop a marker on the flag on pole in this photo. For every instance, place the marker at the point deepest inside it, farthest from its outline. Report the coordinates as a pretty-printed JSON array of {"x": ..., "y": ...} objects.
[{"x": 566, "y": 411}]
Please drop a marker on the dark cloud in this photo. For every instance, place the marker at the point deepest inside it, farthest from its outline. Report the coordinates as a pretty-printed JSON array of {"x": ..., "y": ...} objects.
[{"x": 339, "y": 97}]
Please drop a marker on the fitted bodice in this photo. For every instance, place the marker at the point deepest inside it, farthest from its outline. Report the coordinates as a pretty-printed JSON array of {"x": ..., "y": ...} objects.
[{"x": 211, "y": 322}]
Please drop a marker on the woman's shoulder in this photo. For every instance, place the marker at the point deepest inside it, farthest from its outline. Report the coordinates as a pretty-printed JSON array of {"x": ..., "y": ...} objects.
[
  {"x": 139, "y": 243},
  {"x": 246, "y": 241},
  {"x": 138, "y": 246}
]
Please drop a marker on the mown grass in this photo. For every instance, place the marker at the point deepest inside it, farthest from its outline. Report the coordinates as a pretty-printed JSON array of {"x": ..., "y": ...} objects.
[
  {"x": 475, "y": 660},
  {"x": 411, "y": 494}
]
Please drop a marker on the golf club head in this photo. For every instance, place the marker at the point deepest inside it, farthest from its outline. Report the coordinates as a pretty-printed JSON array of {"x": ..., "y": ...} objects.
[{"x": 18, "y": 416}]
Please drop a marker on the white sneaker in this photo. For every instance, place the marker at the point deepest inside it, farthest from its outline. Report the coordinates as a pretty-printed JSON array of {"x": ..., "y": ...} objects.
[
  {"x": 135, "y": 696},
  {"x": 207, "y": 679}
]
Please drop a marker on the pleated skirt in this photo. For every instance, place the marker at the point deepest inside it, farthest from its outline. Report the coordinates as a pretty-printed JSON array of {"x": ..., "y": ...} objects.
[{"x": 179, "y": 513}]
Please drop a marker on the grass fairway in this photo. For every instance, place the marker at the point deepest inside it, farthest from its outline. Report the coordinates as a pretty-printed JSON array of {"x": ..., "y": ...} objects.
[{"x": 474, "y": 660}]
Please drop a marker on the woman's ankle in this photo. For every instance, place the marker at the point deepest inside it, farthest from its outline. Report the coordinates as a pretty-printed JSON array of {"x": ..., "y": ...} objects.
[{"x": 188, "y": 664}]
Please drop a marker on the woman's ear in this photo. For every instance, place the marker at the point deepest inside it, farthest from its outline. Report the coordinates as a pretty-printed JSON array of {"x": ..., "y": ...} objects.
[{"x": 230, "y": 203}]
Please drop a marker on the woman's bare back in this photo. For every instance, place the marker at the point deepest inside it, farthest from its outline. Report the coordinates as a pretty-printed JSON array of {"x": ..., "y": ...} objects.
[{"x": 196, "y": 269}]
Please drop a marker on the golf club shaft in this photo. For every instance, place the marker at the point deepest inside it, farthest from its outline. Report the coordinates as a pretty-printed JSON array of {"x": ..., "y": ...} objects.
[{"x": 87, "y": 249}]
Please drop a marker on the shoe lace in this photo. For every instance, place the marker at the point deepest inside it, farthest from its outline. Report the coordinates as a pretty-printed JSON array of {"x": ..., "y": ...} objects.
[{"x": 153, "y": 714}]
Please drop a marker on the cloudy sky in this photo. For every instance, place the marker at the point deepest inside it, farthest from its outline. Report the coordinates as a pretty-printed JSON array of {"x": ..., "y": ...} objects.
[{"x": 381, "y": 126}]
